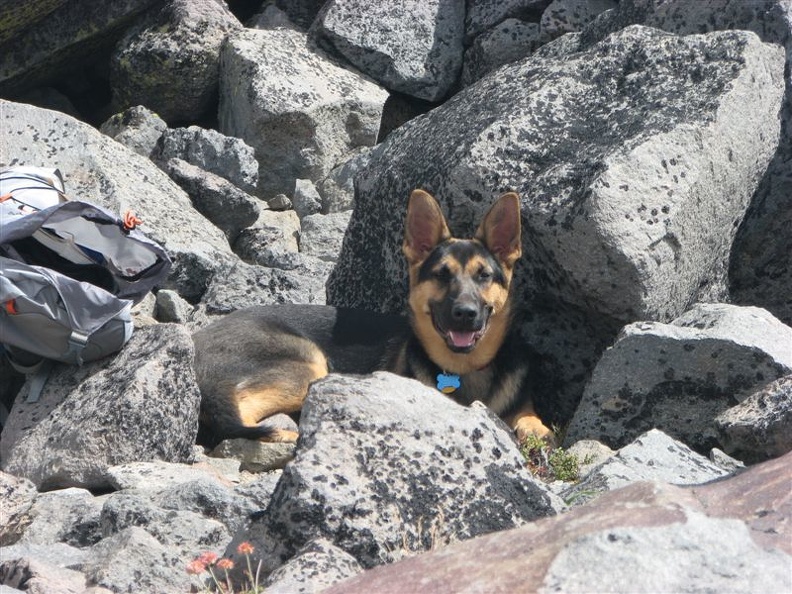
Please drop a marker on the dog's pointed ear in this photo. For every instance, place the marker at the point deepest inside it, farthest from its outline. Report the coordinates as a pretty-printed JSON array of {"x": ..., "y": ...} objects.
[
  {"x": 425, "y": 227},
  {"x": 500, "y": 229}
]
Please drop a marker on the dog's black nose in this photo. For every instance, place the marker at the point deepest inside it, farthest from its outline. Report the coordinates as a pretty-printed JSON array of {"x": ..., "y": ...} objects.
[{"x": 464, "y": 312}]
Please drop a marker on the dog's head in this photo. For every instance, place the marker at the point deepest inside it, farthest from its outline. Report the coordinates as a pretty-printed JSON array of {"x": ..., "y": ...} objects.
[{"x": 459, "y": 288}]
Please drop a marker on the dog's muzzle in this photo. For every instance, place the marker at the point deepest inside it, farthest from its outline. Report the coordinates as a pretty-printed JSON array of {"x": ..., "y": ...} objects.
[{"x": 461, "y": 325}]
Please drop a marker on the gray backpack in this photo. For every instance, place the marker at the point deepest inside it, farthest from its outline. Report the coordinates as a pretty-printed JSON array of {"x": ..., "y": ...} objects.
[{"x": 70, "y": 272}]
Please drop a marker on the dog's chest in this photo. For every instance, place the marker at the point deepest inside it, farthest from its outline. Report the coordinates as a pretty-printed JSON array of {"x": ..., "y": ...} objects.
[{"x": 464, "y": 389}]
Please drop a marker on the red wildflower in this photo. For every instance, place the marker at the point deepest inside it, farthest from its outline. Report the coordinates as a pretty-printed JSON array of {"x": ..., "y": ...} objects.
[
  {"x": 225, "y": 564},
  {"x": 196, "y": 567},
  {"x": 245, "y": 548},
  {"x": 207, "y": 558}
]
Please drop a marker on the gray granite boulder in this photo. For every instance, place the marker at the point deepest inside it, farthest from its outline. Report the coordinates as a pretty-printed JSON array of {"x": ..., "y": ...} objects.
[
  {"x": 484, "y": 15},
  {"x": 614, "y": 183},
  {"x": 242, "y": 285},
  {"x": 169, "y": 60},
  {"x": 70, "y": 516},
  {"x": 256, "y": 456},
  {"x": 39, "y": 576},
  {"x": 141, "y": 404},
  {"x": 767, "y": 18},
  {"x": 137, "y": 128},
  {"x": 134, "y": 561},
  {"x": 301, "y": 12},
  {"x": 301, "y": 111},
  {"x": 416, "y": 47},
  {"x": 224, "y": 204},
  {"x": 337, "y": 189},
  {"x": 760, "y": 427},
  {"x": 679, "y": 377},
  {"x": 228, "y": 157},
  {"x": 18, "y": 496},
  {"x": 409, "y": 470}
]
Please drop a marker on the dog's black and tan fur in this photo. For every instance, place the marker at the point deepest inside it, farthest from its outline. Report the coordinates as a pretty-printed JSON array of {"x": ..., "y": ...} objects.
[{"x": 260, "y": 361}]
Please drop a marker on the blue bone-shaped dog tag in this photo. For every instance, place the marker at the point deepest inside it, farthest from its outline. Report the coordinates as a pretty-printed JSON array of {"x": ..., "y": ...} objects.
[{"x": 448, "y": 382}]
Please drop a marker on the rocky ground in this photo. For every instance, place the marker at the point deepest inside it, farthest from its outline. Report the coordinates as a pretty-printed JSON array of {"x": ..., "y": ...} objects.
[{"x": 270, "y": 147}]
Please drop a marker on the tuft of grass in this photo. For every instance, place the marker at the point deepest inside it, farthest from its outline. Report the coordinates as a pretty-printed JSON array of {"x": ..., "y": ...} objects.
[{"x": 549, "y": 463}]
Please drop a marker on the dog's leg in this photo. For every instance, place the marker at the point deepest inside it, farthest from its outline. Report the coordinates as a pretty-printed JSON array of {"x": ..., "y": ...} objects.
[
  {"x": 283, "y": 390},
  {"x": 526, "y": 422}
]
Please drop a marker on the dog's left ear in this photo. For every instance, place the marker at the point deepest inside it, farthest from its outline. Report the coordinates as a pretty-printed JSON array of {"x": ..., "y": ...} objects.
[{"x": 500, "y": 229}]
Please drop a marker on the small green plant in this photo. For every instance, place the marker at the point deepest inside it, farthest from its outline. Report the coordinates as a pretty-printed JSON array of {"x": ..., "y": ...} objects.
[
  {"x": 549, "y": 463},
  {"x": 210, "y": 563}
]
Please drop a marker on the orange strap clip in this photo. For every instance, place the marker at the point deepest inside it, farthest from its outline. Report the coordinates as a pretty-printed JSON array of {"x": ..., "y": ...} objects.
[
  {"x": 10, "y": 307},
  {"x": 5, "y": 197},
  {"x": 131, "y": 221}
]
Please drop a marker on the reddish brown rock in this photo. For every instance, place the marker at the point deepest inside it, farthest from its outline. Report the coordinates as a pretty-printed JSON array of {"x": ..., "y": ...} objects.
[{"x": 521, "y": 559}]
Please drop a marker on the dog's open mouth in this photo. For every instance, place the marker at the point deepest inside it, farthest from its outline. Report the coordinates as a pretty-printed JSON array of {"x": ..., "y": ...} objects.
[{"x": 463, "y": 340}]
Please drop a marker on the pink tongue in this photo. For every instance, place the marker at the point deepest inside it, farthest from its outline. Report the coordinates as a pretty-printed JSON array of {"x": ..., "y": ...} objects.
[{"x": 461, "y": 339}]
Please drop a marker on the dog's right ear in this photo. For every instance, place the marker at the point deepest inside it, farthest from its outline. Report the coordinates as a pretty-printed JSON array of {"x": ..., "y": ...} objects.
[{"x": 425, "y": 227}]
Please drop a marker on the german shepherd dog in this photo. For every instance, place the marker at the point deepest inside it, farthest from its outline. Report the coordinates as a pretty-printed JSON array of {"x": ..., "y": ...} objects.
[{"x": 458, "y": 337}]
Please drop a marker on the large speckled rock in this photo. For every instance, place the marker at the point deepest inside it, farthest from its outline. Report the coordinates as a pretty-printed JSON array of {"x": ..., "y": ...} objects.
[
  {"x": 169, "y": 61},
  {"x": 139, "y": 405},
  {"x": 678, "y": 377},
  {"x": 386, "y": 466},
  {"x": 729, "y": 535},
  {"x": 301, "y": 111},
  {"x": 413, "y": 47},
  {"x": 98, "y": 169},
  {"x": 767, "y": 18},
  {"x": 633, "y": 164}
]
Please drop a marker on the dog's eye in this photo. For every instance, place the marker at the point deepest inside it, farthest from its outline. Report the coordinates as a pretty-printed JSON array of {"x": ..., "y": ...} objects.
[
  {"x": 484, "y": 275},
  {"x": 442, "y": 274}
]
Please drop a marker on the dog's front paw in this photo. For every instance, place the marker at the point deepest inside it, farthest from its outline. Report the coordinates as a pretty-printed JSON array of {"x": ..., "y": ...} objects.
[{"x": 529, "y": 425}]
